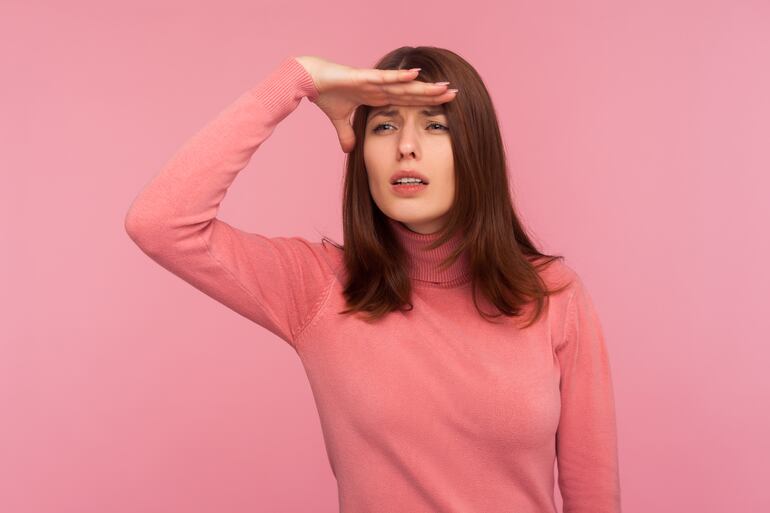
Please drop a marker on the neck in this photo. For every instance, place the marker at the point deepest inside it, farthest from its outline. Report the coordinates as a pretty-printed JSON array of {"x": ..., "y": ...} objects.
[{"x": 424, "y": 263}]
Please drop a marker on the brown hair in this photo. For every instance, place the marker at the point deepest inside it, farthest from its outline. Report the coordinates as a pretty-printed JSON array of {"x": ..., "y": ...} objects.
[{"x": 502, "y": 256}]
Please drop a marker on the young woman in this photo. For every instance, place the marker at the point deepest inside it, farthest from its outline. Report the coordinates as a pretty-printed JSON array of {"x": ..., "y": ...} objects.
[{"x": 452, "y": 363}]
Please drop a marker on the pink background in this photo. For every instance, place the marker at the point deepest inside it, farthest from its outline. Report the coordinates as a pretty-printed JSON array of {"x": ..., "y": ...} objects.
[{"x": 639, "y": 144}]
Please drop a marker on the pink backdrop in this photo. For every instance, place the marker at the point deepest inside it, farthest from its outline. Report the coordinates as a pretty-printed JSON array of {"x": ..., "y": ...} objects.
[{"x": 639, "y": 144}]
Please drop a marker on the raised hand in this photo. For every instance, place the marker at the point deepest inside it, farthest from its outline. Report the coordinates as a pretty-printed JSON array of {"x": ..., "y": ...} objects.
[{"x": 343, "y": 88}]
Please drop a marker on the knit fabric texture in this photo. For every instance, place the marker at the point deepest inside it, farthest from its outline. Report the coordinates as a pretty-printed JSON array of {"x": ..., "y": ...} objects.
[{"x": 429, "y": 410}]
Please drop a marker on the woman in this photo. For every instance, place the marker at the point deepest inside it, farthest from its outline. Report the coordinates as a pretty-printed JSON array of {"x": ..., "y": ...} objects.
[{"x": 432, "y": 395}]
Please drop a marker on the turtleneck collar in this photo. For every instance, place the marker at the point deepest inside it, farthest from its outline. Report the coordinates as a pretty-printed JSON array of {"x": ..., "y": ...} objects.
[{"x": 425, "y": 262}]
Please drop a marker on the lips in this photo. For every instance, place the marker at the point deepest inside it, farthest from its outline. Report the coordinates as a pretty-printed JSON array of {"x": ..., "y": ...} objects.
[
  {"x": 408, "y": 173},
  {"x": 408, "y": 190}
]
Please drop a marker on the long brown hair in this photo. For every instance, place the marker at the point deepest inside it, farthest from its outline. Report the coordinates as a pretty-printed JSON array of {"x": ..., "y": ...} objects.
[{"x": 504, "y": 261}]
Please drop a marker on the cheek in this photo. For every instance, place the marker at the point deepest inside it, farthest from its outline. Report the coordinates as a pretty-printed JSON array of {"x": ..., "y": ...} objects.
[
  {"x": 370, "y": 161},
  {"x": 377, "y": 173},
  {"x": 447, "y": 192}
]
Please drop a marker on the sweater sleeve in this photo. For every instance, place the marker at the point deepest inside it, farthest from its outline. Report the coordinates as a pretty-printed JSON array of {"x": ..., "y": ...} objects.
[
  {"x": 586, "y": 439},
  {"x": 278, "y": 283}
]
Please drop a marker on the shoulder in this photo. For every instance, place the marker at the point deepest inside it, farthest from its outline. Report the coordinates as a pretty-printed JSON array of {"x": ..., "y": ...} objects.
[
  {"x": 569, "y": 290},
  {"x": 301, "y": 255},
  {"x": 332, "y": 251},
  {"x": 332, "y": 248},
  {"x": 557, "y": 274}
]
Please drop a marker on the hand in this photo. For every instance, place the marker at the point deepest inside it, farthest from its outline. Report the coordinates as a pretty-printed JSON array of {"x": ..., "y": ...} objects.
[{"x": 343, "y": 88}]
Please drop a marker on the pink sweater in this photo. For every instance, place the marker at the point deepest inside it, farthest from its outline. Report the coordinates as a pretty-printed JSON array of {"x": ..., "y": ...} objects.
[{"x": 431, "y": 410}]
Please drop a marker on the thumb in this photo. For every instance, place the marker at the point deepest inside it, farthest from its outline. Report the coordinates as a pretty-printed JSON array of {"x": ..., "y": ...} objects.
[{"x": 345, "y": 134}]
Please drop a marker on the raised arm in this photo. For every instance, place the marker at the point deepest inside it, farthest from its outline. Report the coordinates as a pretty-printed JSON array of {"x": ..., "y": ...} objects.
[
  {"x": 586, "y": 440},
  {"x": 278, "y": 282}
]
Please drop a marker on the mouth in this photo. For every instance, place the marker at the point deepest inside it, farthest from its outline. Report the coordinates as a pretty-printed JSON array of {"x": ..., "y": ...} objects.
[
  {"x": 408, "y": 182},
  {"x": 409, "y": 188},
  {"x": 408, "y": 175}
]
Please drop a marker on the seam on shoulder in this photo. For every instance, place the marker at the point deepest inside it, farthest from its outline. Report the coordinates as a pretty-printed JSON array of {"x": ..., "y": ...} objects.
[
  {"x": 567, "y": 316},
  {"x": 315, "y": 312},
  {"x": 320, "y": 301},
  {"x": 243, "y": 287},
  {"x": 292, "y": 296}
]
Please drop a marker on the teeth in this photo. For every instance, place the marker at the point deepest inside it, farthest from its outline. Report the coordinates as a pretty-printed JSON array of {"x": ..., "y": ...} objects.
[{"x": 408, "y": 180}]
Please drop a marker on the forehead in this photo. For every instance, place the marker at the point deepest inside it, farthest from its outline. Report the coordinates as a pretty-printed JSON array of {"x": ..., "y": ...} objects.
[{"x": 420, "y": 110}]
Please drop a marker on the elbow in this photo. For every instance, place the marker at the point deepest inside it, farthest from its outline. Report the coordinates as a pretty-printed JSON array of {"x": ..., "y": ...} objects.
[
  {"x": 134, "y": 225},
  {"x": 130, "y": 225},
  {"x": 143, "y": 230}
]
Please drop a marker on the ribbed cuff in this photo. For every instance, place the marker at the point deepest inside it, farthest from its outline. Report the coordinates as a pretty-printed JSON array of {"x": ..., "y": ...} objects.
[{"x": 284, "y": 87}]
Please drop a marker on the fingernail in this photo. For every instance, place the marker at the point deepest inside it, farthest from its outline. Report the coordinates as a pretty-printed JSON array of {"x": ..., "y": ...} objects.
[
  {"x": 441, "y": 83},
  {"x": 452, "y": 90},
  {"x": 415, "y": 69}
]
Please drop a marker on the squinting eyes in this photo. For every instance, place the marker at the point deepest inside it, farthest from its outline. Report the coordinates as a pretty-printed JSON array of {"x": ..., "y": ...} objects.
[{"x": 380, "y": 127}]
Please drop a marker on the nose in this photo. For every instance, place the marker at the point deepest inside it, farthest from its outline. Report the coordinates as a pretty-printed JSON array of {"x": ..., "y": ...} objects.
[{"x": 407, "y": 143}]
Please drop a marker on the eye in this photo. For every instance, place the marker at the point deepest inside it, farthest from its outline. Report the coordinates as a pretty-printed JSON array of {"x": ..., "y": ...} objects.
[{"x": 380, "y": 127}]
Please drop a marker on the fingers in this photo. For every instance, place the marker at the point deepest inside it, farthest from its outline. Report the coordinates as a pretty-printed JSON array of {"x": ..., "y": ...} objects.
[
  {"x": 414, "y": 88},
  {"x": 420, "y": 100},
  {"x": 345, "y": 134},
  {"x": 418, "y": 92},
  {"x": 389, "y": 76},
  {"x": 401, "y": 82},
  {"x": 417, "y": 88}
]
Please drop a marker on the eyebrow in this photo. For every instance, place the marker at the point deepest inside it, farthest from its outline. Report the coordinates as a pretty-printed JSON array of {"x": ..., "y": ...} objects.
[{"x": 390, "y": 112}]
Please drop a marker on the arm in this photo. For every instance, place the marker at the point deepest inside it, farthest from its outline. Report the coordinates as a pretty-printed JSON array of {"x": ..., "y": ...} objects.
[
  {"x": 586, "y": 440},
  {"x": 276, "y": 282}
]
